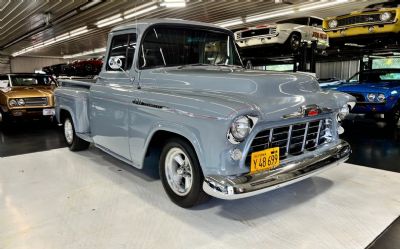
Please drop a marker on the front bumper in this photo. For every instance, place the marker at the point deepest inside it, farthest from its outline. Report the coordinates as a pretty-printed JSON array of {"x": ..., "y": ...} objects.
[{"x": 290, "y": 171}]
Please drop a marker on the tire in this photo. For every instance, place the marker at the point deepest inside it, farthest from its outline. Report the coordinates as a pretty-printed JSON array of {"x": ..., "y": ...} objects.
[
  {"x": 294, "y": 42},
  {"x": 74, "y": 142},
  {"x": 182, "y": 181},
  {"x": 392, "y": 118}
]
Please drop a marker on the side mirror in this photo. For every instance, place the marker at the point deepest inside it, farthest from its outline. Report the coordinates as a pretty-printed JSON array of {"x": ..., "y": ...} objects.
[{"x": 115, "y": 62}]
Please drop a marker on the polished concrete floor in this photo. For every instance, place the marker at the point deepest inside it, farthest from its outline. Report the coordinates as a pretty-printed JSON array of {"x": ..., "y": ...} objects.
[
  {"x": 53, "y": 198},
  {"x": 60, "y": 199}
]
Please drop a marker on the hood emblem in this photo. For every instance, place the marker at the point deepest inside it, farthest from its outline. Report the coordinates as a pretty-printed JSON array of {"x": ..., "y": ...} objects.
[{"x": 307, "y": 111}]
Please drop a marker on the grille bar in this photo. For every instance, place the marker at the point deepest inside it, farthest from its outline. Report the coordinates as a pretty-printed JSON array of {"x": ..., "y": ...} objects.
[{"x": 292, "y": 139}]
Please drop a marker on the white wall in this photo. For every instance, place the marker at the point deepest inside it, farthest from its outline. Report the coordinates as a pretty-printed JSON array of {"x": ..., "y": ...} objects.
[{"x": 23, "y": 64}]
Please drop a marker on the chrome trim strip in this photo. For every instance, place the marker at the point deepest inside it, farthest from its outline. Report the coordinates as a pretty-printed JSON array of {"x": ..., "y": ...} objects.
[
  {"x": 305, "y": 137},
  {"x": 288, "y": 140}
]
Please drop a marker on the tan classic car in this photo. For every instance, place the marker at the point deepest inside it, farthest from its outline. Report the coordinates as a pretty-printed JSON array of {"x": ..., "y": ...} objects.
[{"x": 26, "y": 95}]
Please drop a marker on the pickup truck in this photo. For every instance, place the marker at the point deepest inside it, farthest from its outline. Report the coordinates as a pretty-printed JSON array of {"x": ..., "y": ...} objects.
[{"x": 179, "y": 87}]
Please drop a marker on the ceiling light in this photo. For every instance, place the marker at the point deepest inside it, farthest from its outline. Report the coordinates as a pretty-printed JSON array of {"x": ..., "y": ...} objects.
[
  {"x": 90, "y": 4},
  {"x": 110, "y": 20},
  {"x": 268, "y": 15},
  {"x": 320, "y": 5},
  {"x": 173, "y": 3},
  {"x": 230, "y": 23},
  {"x": 138, "y": 8},
  {"x": 140, "y": 12}
]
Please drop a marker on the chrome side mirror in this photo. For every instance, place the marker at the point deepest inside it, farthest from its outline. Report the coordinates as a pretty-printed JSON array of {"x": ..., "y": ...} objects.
[{"x": 115, "y": 63}]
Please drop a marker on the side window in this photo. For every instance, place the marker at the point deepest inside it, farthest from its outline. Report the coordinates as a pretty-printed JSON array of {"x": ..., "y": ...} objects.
[
  {"x": 122, "y": 47},
  {"x": 315, "y": 22},
  {"x": 4, "y": 81}
]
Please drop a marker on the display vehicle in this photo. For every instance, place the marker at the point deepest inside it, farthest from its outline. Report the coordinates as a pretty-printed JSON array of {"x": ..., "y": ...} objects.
[
  {"x": 376, "y": 21},
  {"x": 26, "y": 95},
  {"x": 376, "y": 91},
  {"x": 179, "y": 87},
  {"x": 290, "y": 32}
]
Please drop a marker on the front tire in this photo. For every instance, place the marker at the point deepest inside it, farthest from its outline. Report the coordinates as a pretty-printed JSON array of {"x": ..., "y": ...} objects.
[
  {"x": 294, "y": 42},
  {"x": 181, "y": 174},
  {"x": 74, "y": 142},
  {"x": 392, "y": 118}
]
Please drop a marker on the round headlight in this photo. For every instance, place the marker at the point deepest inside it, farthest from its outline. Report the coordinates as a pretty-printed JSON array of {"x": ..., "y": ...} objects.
[
  {"x": 333, "y": 24},
  {"x": 13, "y": 102},
  {"x": 21, "y": 102},
  {"x": 381, "y": 97},
  {"x": 343, "y": 112},
  {"x": 371, "y": 97},
  {"x": 385, "y": 16},
  {"x": 240, "y": 128}
]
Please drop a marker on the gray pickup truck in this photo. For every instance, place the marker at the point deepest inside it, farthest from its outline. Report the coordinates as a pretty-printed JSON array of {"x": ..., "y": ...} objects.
[{"x": 179, "y": 87}]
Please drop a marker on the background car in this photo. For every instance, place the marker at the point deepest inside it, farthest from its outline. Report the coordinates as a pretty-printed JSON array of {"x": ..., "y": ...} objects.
[
  {"x": 375, "y": 21},
  {"x": 290, "y": 32},
  {"x": 376, "y": 91},
  {"x": 26, "y": 95}
]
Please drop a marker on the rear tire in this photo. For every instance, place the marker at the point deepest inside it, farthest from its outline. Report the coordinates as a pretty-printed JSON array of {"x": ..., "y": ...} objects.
[
  {"x": 181, "y": 174},
  {"x": 74, "y": 142}
]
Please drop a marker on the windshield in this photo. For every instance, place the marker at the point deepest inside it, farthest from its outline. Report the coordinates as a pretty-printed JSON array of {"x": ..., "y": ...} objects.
[
  {"x": 375, "y": 76},
  {"x": 31, "y": 80},
  {"x": 171, "y": 46}
]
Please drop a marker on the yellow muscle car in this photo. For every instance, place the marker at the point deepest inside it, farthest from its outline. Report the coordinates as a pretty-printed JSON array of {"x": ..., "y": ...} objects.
[
  {"x": 26, "y": 95},
  {"x": 375, "y": 20}
]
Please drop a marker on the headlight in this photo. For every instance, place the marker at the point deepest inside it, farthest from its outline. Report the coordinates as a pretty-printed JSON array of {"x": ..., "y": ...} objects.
[
  {"x": 332, "y": 24},
  {"x": 241, "y": 128},
  {"x": 371, "y": 97},
  {"x": 21, "y": 102},
  {"x": 385, "y": 16},
  {"x": 343, "y": 112},
  {"x": 13, "y": 102},
  {"x": 381, "y": 97}
]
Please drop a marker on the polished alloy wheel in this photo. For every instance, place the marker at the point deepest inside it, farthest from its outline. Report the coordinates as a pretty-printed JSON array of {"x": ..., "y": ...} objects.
[
  {"x": 178, "y": 171},
  {"x": 68, "y": 131},
  {"x": 295, "y": 42}
]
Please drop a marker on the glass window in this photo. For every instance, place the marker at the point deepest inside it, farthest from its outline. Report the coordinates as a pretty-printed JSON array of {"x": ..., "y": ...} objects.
[
  {"x": 4, "y": 81},
  {"x": 31, "y": 80},
  {"x": 123, "y": 47},
  {"x": 315, "y": 22},
  {"x": 165, "y": 46},
  {"x": 300, "y": 21},
  {"x": 376, "y": 76}
]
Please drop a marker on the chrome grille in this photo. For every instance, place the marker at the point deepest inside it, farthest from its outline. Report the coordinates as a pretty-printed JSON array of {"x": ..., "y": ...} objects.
[
  {"x": 370, "y": 18},
  {"x": 36, "y": 101},
  {"x": 291, "y": 139}
]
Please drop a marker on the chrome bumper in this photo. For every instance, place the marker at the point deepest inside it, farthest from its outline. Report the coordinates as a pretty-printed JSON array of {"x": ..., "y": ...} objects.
[{"x": 236, "y": 187}]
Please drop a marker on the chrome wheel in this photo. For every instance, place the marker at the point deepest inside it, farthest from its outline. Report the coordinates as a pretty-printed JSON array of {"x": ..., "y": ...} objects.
[
  {"x": 295, "y": 42},
  {"x": 68, "y": 131},
  {"x": 178, "y": 171}
]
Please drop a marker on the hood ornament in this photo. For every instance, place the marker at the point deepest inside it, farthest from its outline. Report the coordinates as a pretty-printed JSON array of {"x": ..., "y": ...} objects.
[{"x": 307, "y": 111}]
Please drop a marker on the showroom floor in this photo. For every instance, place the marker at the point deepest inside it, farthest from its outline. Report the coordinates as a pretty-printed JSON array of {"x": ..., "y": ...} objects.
[{"x": 50, "y": 197}]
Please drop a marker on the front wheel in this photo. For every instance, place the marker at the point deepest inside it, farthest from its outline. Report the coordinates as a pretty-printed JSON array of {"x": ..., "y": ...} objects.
[
  {"x": 181, "y": 174},
  {"x": 294, "y": 42},
  {"x": 74, "y": 142},
  {"x": 392, "y": 118}
]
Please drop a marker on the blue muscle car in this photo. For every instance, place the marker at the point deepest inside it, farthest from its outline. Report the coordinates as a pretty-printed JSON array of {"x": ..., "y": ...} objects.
[{"x": 376, "y": 91}]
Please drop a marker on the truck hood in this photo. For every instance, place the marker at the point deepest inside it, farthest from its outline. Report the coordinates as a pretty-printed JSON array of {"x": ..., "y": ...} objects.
[
  {"x": 232, "y": 91},
  {"x": 27, "y": 92},
  {"x": 370, "y": 87}
]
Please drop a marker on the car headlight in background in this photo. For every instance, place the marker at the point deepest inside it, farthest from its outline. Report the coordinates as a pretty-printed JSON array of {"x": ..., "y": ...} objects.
[
  {"x": 21, "y": 102},
  {"x": 332, "y": 24},
  {"x": 381, "y": 97},
  {"x": 371, "y": 97},
  {"x": 12, "y": 102},
  {"x": 385, "y": 16}
]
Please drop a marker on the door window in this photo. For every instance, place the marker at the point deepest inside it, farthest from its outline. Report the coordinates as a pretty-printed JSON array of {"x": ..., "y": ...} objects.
[{"x": 123, "y": 47}]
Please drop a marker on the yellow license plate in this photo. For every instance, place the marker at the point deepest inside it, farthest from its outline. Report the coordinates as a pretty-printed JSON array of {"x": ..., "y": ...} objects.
[{"x": 264, "y": 160}]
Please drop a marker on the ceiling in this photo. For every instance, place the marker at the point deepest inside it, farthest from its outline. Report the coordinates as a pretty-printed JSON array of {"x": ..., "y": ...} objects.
[{"x": 26, "y": 23}]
